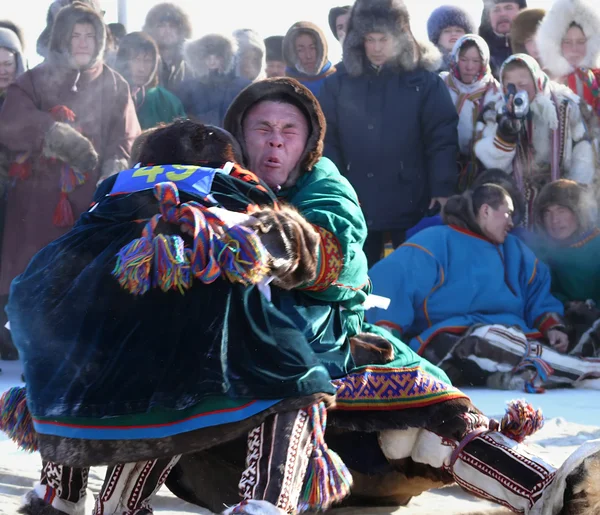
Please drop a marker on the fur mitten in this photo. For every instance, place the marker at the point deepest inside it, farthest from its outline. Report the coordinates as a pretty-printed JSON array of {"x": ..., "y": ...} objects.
[
  {"x": 371, "y": 349},
  {"x": 509, "y": 128},
  {"x": 292, "y": 242},
  {"x": 67, "y": 144}
]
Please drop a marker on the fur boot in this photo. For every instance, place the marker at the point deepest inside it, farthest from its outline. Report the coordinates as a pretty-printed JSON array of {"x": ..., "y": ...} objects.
[
  {"x": 33, "y": 505},
  {"x": 65, "y": 143}
]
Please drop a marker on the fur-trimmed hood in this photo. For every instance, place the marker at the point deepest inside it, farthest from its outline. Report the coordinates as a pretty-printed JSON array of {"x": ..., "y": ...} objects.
[
  {"x": 334, "y": 14},
  {"x": 196, "y": 53},
  {"x": 586, "y": 14},
  {"x": 131, "y": 46},
  {"x": 13, "y": 27},
  {"x": 524, "y": 26},
  {"x": 59, "y": 51},
  {"x": 43, "y": 41},
  {"x": 280, "y": 88},
  {"x": 251, "y": 48},
  {"x": 289, "y": 41},
  {"x": 571, "y": 195},
  {"x": 168, "y": 12},
  {"x": 391, "y": 17},
  {"x": 10, "y": 41}
]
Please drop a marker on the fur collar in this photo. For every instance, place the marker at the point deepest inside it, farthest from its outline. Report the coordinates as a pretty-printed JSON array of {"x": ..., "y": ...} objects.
[
  {"x": 391, "y": 17},
  {"x": 554, "y": 26}
]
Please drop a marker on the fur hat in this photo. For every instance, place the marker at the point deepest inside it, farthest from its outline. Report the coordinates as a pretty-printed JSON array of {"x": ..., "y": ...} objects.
[
  {"x": 501, "y": 178},
  {"x": 59, "y": 51},
  {"x": 586, "y": 14},
  {"x": 168, "y": 12},
  {"x": 274, "y": 46},
  {"x": 43, "y": 41},
  {"x": 10, "y": 41},
  {"x": 448, "y": 16},
  {"x": 197, "y": 51},
  {"x": 568, "y": 194},
  {"x": 524, "y": 26},
  {"x": 281, "y": 89},
  {"x": 289, "y": 41},
  {"x": 7, "y": 24},
  {"x": 250, "y": 40},
  {"x": 131, "y": 46},
  {"x": 334, "y": 13},
  {"x": 388, "y": 16}
]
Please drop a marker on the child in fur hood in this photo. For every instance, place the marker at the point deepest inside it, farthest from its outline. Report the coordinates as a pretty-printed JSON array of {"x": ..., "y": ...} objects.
[
  {"x": 472, "y": 87},
  {"x": 549, "y": 143}
]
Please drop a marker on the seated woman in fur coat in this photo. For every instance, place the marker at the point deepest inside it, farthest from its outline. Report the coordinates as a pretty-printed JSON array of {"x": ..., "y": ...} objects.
[
  {"x": 548, "y": 143},
  {"x": 569, "y": 243}
]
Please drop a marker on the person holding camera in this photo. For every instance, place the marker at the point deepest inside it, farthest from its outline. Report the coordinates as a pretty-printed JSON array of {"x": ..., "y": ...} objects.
[{"x": 538, "y": 134}]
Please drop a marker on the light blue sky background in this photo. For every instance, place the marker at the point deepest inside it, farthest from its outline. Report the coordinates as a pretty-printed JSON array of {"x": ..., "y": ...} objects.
[{"x": 266, "y": 16}]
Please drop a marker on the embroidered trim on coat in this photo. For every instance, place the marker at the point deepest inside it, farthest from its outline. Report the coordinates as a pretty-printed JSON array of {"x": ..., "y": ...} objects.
[{"x": 331, "y": 261}]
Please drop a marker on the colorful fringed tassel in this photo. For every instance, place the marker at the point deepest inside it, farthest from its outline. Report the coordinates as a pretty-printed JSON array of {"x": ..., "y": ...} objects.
[
  {"x": 238, "y": 255},
  {"x": 63, "y": 213},
  {"x": 171, "y": 265},
  {"x": 328, "y": 480},
  {"x": 520, "y": 421},
  {"x": 15, "y": 419},
  {"x": 134, "y": 263}
]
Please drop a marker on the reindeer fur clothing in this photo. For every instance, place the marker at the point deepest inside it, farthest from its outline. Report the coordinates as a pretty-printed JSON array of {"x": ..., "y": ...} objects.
[{"x": 104, "y": 116}]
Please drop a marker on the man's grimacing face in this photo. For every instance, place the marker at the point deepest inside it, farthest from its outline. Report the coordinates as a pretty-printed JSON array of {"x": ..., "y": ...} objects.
[{"x": 275, "y": 137}]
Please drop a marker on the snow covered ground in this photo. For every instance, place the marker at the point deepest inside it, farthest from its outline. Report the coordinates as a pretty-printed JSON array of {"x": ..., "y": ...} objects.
[{"x": 573, "y": 416}]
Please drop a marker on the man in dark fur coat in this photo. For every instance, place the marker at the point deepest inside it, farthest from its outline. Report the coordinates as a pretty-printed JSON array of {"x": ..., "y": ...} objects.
[
  {"x": 391, "y": 125},
  {"x": 397, "y": 439}
]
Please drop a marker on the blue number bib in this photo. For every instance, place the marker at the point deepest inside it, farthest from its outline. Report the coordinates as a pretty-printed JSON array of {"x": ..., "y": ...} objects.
[{"x": 194, "y": 180}]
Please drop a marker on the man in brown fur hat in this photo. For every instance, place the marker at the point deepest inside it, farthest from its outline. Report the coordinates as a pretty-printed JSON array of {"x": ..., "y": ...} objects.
[{"x": 391, "y": 124}]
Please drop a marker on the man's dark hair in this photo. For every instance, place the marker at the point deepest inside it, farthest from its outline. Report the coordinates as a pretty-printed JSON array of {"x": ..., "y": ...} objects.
[
  {"x": 491, "y": 194},
  {"x": 185, "y": 142}
]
